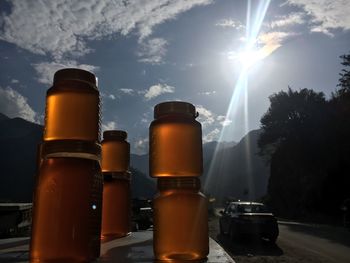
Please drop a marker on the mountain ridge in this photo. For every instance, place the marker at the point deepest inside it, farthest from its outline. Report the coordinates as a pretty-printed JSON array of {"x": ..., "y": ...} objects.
[{"x": 226, "y": 165}]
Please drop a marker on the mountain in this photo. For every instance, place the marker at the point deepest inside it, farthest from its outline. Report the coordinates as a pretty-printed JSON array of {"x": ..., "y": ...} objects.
[
  {"x": 230, "y": 169},
  {"x": 19, "y": 139},
  {"x": 236, "y": 171}
]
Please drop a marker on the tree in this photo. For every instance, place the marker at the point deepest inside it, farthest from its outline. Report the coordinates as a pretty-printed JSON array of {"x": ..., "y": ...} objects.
[
  {"x": 307, "y": 141},
  {"x": 344, "y": 81},
  {"x": 292, "y": 118},
  {"x": 293, "y": 133}
]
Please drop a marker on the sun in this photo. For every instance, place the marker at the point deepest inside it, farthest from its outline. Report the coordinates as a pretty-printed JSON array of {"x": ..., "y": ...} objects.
[{"x": 249, "y": 58}]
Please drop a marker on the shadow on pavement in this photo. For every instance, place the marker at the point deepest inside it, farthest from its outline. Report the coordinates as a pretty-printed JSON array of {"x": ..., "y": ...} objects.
[
  {"x": 335, "y": 234},
  {"x": 249, "y": 247}
]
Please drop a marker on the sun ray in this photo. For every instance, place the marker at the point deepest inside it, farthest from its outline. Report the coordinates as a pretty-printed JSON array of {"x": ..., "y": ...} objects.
[{"x": 248, "y": 57}]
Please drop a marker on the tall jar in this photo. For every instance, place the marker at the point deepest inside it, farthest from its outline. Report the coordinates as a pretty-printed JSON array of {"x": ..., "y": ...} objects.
[
  {"x": 180, "y": 220},
  {"x": 116, "y": 212},
  {"x": 175, "y": 141},
  {"x": 67, "y": 203},
  {"x": 72, "y": 107}
]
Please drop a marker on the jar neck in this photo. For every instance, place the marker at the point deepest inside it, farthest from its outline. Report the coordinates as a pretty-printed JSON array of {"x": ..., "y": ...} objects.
[{"x": 186, "y": 183}]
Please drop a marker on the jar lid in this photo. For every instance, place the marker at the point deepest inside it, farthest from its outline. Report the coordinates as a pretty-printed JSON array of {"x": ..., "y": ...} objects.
[
  {"x": 71, "y": 148},
  {"x": 75, "y": 74},
  {"x": 177, "y": 107},
  {"x": 115, "y": 135}
]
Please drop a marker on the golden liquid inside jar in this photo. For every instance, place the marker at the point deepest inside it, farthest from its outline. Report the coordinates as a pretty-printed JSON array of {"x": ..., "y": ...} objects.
[
  {"x": 115, "y": 151},
  {"x": 72, "y": 107},
  {"x": 67, "y": 210},
  {"x": 175, "y": 141},
  {"x": 180, "y": 220},
  {"x": 116, "y": 208}
]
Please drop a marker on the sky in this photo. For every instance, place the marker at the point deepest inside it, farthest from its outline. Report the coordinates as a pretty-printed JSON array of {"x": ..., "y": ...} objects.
[{"x": 225, "y": 57}]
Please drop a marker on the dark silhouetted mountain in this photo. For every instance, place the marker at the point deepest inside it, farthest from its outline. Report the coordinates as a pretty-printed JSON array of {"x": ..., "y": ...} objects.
[
  {"x": 3, "y": 117},
  {"x": 210, "y": 148},
  {"x": 140, "y": 162},
  {"x": 236, "y": 171},
  {"x": 229, "y": 169},
  {"x": 141, "y": 185},
  {"x": 19, "y": 139}
]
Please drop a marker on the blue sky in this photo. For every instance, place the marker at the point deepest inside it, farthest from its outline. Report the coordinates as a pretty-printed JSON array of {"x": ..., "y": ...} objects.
[{"x": 146, "y": 52}]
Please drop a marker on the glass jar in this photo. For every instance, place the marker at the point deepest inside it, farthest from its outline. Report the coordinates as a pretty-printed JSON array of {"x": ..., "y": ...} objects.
[
  {"x": 175, "y": 141},
  {"x": 180, "y": 220},
  {"x": 73, "y": 107},
  {"x": 116, "y": 208},
  {"x": 67, "y": 203},
  {"x": 115, "y": 151}
]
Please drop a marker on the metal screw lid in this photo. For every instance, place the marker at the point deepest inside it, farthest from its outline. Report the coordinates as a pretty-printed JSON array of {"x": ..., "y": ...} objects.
[
  {"x": 175, "y": 107},
  {"x": 75, "y": 74},
  {"x": 115, "y": 135}
]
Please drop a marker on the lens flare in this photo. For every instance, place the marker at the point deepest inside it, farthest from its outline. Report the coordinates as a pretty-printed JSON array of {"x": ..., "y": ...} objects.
[{"x": 239, "y": 99}]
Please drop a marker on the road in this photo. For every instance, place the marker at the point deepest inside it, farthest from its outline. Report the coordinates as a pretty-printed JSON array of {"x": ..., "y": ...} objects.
[{"x": 296, "y": 243}]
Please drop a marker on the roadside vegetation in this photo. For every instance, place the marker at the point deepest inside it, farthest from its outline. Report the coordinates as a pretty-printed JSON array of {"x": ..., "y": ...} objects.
[{"x": 306, "y": 139}]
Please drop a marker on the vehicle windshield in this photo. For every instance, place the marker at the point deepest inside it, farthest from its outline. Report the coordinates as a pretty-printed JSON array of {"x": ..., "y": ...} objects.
[{"x": 252, "y": 208}]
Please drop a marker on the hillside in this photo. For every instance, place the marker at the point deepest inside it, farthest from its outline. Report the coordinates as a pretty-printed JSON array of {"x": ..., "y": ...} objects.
[
  {"x": 19, "y": 139},
  {"x": 230, "y": 169},
  {"x": 237, "y": 171}
]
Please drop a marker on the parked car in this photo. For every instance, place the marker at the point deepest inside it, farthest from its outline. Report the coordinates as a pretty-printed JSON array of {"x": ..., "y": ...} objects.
[
  {"x": 248, "y": 219},
  {"x": 142, "y": 214}
]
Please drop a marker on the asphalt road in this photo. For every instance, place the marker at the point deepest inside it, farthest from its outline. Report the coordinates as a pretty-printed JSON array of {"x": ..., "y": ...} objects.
[{"x": 296, "y": 243}]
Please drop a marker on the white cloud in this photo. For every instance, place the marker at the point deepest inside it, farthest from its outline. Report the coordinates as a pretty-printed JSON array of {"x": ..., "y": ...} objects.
[
  {"x": 46, "y": 70},
  {"x": 140, "y": 145},
  {"x": 211, "y": 123},
  {"x": 223, "y": 120},
  {"x": 14, "y": 81},
  {"x": 211, "y": 136},
  {"x": 152, "y": 51},
  {"x": 111, "y": 96},
  {"x": 289, "y": 20},
  {"x": 326, "y": 14},
  {"x": 127, "y": 91},
  {"x": 110, "y": 125},
  {"x": 13, "y": 104},
  {"x": 205, "y": 117},
  {"x": 207, "y": 93},
  {"x": 146, "y": 118},
  {"x": 230, "y": 23},
  {"x": 271, "y": 41},
  {"x": 266, "y": 44},
  {"x": 62, "y": 27},
  {"x": 156, "y": 90}
]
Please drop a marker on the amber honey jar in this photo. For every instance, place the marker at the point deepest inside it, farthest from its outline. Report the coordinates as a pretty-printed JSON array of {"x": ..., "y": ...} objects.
[
  {"x": 180, "y": 209},
  {"x": 180, "y": 220},
  {"x": 116, "y": 209},
  {"x": 115, "y": 151},
  {"x": 67, "y": 203},
  {"x": 175, "y": 141},
  {"x": 73, "y": 107}
]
